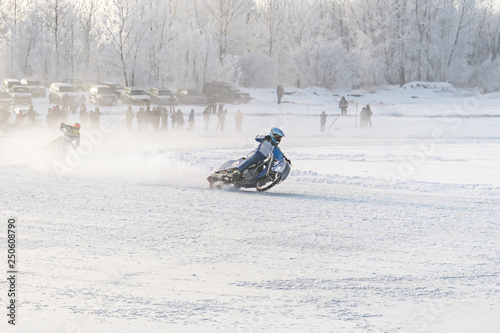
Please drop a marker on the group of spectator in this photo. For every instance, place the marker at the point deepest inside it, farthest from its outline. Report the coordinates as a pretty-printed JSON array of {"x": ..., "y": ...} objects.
[
  {"x": 23, "y": 117},
  {"x": 365, "y": 115},
  {"x": 89, "y": 119},
  {"x": 157, "y": 119},
  {"x": 71, "y": 104}
]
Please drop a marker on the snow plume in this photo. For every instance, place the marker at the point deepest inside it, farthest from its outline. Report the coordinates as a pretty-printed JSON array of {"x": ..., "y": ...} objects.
[
  {"x": 143, "y": 160},
  {"x": 107, "y": 153}
]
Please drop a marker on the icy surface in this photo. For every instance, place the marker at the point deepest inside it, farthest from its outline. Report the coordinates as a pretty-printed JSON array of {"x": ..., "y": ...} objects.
[{"x": 386, "y": 229}]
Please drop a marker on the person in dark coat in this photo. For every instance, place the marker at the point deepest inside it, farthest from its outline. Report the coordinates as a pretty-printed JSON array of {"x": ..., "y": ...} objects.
[
  {"x": 362, "y": 119},
  {"x": 164, "y": 119},
  {"x": 191, "y": 121},
  {"x": 369, "y": 116},
  {"x": 149, "y": 118},
  {"x": 279, "y": 92},
  {"x": 323, "y": 121},
  {"x": 32, "y": 115},
  {"x": 141, "y": 119},
  {"x": 156, "y": 119},
  {"x": 171, "y": 102},
  {"x": 173, "y": 117},
  {"x": 219, "y": 119},
  {"x": 343, "y": 106},
  {"x": 179, "y": 119},
  {"x": 129, "y": 118},
  {"x": 206, "y": 117}
]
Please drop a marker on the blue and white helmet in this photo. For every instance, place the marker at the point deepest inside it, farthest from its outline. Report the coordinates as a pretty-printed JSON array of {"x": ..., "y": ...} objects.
[{"x": 276, "y": 134}]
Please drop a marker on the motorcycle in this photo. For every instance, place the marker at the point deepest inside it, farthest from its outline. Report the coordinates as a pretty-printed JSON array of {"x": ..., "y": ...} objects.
[
  {"x": 61, "y": 145},
  {"x": 262, "y": 175}
]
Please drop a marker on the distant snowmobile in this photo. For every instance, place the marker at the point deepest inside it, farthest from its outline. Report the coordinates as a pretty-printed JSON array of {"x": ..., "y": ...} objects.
[{"x": 262, "y": 175}]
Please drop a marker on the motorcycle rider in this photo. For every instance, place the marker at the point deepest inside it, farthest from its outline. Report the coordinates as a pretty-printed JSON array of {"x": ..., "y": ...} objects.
[
  {"x": 266, "y": 145},
  {"x": 71, "y": 134}
]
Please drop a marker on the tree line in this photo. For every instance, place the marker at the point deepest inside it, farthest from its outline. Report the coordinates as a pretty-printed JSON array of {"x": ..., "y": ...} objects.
[{"x": 259, "y": 43}]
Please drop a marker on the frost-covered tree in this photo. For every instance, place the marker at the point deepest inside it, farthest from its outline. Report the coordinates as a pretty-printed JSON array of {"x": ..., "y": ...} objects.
[{"x": 331, "y": 43}]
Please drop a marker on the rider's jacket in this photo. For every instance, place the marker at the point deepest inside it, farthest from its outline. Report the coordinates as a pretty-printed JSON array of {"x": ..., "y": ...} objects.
[{"x": 265, "y": 147}]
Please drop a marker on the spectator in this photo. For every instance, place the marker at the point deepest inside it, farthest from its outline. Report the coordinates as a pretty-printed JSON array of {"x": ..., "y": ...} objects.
[
  {"x": 129, "y": 117},
  {"x": 238, "y": 117},
  {"x": 50, "y": 118},
  {"x": 164, "y": 119},
  {"x": 148, "y": 118},
  {"x": 32, "y": 115},
  {"x": 171, "y": 102},
  {"x": 369, "y": 116},
  {"x": 343, "y": 106},
  {"x": 141, "y": 119},
  {"x": 219, "y": 119},
  {"x": 323, "y": 121},
  {"x": 280, "y": 91},
  {"x": 179, "y": 119},
  {"x": 173, "y": 116},
  {"x": 191, "y": 121},
  {"x": 20, "y": 118},
  {"x": 156, "y": 119},
  {"x": 206, "y": 117}
]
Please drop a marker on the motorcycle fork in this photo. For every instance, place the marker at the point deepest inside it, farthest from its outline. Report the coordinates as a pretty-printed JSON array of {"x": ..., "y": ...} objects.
[{"x": 271, "y": 160}]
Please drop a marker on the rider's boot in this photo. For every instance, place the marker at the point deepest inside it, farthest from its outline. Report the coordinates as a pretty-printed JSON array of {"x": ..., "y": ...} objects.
[{"x": 236, "y": 174}]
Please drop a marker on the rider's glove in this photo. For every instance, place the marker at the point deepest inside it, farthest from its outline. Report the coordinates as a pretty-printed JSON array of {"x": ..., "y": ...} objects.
[
  {"x": 267, "y": 137},
  {"x": 289, "y": 162}
]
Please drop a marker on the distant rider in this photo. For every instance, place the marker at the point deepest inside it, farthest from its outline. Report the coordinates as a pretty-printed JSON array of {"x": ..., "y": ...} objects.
[
  {"x": 71, "y": 134},
  {"x": 267, "y": 144}
]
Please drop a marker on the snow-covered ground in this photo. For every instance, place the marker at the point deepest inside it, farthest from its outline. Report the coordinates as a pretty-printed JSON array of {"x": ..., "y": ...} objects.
[{"x": 392, "y": 228}]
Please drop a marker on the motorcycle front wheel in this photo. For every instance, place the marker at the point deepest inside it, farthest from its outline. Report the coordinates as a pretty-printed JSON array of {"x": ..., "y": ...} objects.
[{"x": 266, "y": 183}]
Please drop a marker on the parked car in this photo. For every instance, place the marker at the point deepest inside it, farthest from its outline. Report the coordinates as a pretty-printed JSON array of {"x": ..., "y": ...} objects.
[
  {"x": 21, "y": 95},
  {"x": 117, "y": 89},
  {"x": 9, "y": 83},
  {"x": 78, "y": 84},
  {"x": 59, "y": 89},
  {"x": 163, "y": 96},
  {"x": 191, "y": 96},
  {"x": 5, "y": 100},
  {"x": 220, "y": 92},
  {"x": 36, "y": 87},
  {"x": 102, "y": 95},
  {"x": 135, "y": 96}
]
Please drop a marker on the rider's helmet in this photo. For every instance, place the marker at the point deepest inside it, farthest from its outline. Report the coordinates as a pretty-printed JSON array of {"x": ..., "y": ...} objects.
[
  {"x": 276, "y": 134},
  {"x": 76, "y": 126}
]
